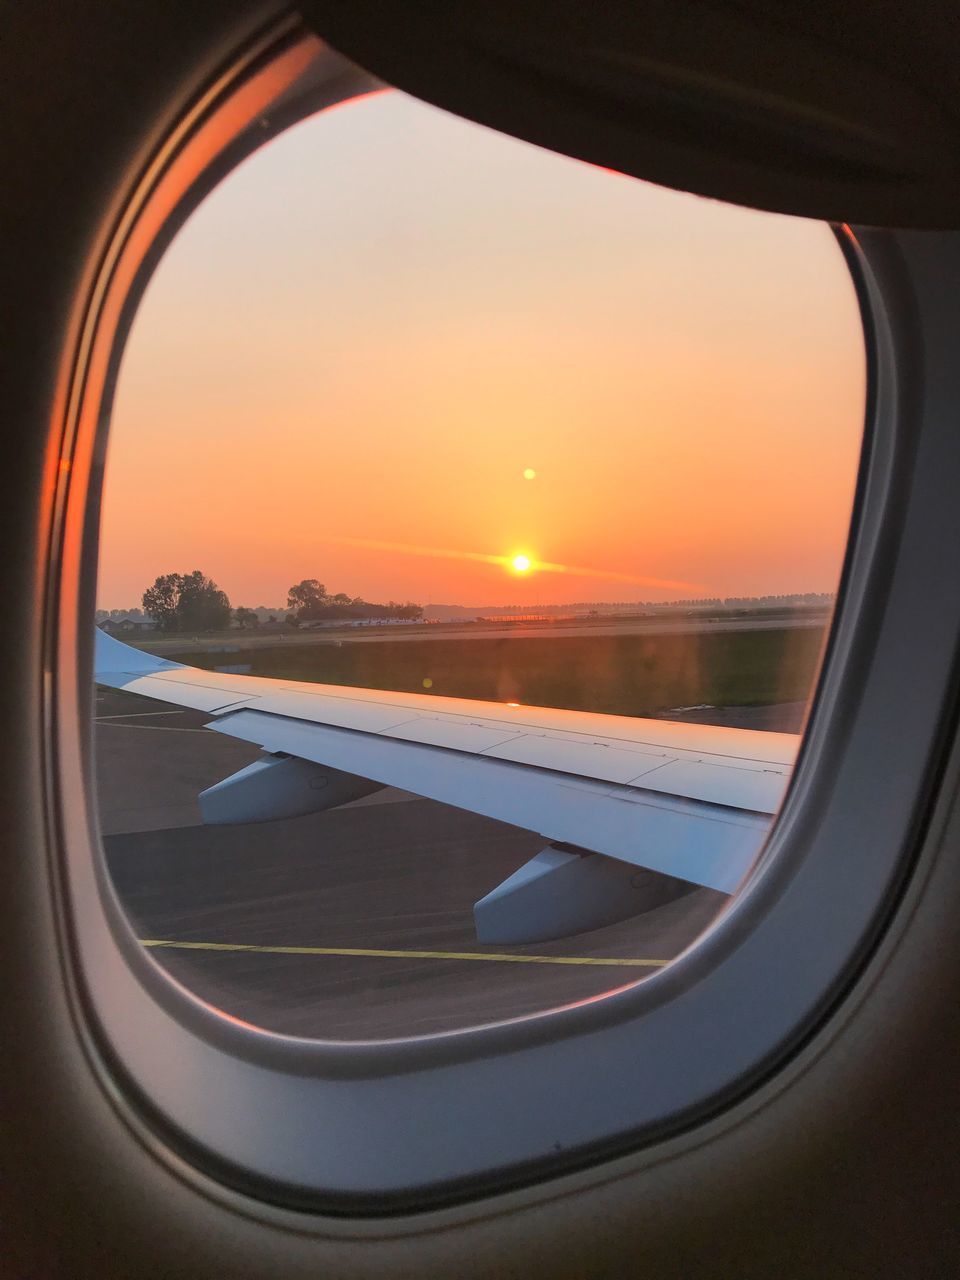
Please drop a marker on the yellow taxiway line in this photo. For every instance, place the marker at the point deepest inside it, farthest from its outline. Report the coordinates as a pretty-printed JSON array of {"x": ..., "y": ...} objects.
[{"x": 403, "y": 955}]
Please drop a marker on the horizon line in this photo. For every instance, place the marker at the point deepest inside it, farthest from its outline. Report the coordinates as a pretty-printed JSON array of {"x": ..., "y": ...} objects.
[{"x": 533, "y": 606}]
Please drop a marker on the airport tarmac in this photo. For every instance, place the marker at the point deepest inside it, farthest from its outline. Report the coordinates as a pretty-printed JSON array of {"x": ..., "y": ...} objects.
[{"x": 351, "y": 924}]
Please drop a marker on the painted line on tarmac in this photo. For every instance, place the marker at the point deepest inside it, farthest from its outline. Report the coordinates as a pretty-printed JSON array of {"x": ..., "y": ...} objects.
[
  {"x": 630, "y": 962},
  {"x": 153, "y": 728},
  {"x": 135, "y": 715}
]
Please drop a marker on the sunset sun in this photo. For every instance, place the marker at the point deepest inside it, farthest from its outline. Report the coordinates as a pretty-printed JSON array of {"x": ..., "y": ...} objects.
[{"x": 521, "y": 564}]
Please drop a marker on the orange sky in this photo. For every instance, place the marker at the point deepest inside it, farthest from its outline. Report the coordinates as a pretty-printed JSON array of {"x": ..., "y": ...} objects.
[{"x": 375, "y": 325}]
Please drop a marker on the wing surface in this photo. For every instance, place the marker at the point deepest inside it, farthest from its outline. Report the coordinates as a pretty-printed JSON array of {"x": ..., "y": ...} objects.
[{"x": 691, "y": 801}]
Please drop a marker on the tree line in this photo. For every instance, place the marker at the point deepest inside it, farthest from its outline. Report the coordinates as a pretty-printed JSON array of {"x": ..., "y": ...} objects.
[
  {"x": 309, "y": 601},
  {"x": 179, "y": 602}
]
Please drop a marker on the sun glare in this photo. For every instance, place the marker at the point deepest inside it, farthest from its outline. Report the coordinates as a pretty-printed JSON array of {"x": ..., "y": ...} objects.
[{"x": 521, "y": 564}]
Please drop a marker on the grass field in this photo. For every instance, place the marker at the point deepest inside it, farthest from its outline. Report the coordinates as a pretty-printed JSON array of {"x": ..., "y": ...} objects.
[{"x": 621, "y": 674}]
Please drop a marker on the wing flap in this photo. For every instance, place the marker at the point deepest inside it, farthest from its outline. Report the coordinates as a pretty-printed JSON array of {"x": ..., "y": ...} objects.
[{"x": 589, "y": 759}]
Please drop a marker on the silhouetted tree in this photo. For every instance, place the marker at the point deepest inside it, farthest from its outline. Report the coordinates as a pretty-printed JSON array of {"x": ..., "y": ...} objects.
[
  {"x": 307, "y": 598},
  {"x": 310, "y": 602},
  {"x": 202, "y": 605},
  {"x": 187, "y": 602},
  {"x": 245, "y": 617},
  {"x": 160, "y": 601}
]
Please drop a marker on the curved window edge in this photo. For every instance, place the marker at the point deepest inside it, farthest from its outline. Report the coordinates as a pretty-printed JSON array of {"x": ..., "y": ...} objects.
[{"x": 137, "y": 993}]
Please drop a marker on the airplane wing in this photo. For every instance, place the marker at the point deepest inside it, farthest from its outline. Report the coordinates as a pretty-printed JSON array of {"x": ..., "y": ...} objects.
[{"x": 613, "y": 795}]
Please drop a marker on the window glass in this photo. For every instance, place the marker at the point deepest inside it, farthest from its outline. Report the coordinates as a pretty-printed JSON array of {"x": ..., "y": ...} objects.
[{"x": 529, "y": 483}]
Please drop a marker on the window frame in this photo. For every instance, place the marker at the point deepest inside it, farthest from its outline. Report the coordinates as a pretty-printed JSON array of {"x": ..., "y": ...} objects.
[{"x": 376, "y": 1128}]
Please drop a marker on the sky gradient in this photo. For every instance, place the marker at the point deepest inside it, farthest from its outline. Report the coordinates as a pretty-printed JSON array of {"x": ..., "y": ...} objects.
[{"x": 362, "y": 340}]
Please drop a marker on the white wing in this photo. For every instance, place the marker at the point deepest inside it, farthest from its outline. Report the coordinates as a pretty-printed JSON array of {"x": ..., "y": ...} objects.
[{"x": 689, "y": 801}]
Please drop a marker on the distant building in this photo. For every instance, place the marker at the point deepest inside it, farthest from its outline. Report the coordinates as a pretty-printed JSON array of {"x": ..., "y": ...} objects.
[{"x": 127, "y": 626}]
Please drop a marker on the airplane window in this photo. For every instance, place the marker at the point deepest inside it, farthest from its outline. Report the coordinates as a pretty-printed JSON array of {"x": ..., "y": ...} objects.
[{"x": 472, "y": 524}]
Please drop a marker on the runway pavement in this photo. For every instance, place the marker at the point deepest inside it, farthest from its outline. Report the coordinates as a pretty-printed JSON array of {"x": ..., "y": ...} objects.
[{"x": 285, "y": 924}]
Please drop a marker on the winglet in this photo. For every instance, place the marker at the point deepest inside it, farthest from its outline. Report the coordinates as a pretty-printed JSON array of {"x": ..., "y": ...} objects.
[{"x": 115, "y": 663}]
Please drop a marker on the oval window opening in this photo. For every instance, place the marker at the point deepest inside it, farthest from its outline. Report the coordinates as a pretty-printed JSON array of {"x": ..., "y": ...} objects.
[{"x": 471, "y": 529}]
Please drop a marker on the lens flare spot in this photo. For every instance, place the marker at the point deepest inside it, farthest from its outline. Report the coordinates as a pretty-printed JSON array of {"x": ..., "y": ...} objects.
[
  {"x": 521, "y": 564},
  {"x": 427, "y": 682},
  {"x": 529, "y": 473}
]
